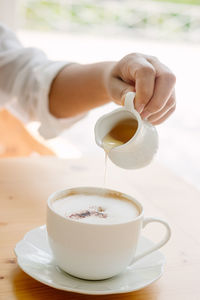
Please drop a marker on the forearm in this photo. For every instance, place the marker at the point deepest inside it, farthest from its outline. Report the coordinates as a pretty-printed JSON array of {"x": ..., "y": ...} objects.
[{"x": 78, "y": 88}]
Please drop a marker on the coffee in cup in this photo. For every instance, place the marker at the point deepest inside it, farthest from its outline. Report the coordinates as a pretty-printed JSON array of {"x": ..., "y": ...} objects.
[
  {"x": 111, "y": 208},
  {"x": 94, "y": 232}
]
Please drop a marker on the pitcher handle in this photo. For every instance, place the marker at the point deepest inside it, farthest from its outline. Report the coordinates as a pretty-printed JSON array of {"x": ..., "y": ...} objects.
[{"x": 129, "y": 101}]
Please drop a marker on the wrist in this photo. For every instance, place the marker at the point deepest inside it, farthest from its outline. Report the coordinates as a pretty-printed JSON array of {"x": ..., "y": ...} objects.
[{"x": 108, "y": 76}]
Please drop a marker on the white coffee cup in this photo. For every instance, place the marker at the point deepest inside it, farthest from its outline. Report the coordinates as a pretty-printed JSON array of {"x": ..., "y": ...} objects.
[
  {"x": 96, "y": 251},
  {"x": 140, "y": 149}
]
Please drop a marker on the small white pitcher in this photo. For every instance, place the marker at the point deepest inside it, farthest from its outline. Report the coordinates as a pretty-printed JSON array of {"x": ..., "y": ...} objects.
[{"x": 140, "y": 149}]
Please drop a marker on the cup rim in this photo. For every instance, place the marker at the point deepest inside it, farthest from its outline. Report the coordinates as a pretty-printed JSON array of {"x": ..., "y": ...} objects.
[{"x": 96, "y": 189}]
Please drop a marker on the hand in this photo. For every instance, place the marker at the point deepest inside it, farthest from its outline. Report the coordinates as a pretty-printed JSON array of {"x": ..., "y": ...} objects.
[{"x": 152, "y": 81}]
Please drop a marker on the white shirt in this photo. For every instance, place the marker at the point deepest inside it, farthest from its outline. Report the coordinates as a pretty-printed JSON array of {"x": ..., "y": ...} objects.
[{"x": 26, "y": 75}]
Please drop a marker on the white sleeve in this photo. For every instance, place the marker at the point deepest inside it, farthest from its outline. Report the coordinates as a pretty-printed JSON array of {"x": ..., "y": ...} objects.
[{"x": 26, "y": 75}]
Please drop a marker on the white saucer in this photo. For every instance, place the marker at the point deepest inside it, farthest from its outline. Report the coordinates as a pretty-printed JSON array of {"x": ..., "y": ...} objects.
[{"x": 35, "y": 258}]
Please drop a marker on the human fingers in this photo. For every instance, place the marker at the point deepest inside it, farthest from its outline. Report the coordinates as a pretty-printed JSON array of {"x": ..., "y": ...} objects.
[
  {"x": 164, "y": 86},
  {"x": 170, "y": 103}
]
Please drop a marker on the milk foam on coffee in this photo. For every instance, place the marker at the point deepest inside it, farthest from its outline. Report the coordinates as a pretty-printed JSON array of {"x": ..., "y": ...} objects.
[{"x": 96, "y": 209}]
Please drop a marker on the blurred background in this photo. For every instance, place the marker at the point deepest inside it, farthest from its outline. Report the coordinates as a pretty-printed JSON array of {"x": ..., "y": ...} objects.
[{"x": 89, "y": 31}]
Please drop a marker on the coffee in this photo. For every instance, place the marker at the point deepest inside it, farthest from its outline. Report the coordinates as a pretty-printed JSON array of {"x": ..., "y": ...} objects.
[
  {"x": 89, "y": 233},
  {"x": 96, "y": 209},
  {"x": 120, "y": 134}
]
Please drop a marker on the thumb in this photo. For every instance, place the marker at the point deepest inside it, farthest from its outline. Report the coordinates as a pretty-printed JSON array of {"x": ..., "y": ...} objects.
[{"x": 119, "y": 89}]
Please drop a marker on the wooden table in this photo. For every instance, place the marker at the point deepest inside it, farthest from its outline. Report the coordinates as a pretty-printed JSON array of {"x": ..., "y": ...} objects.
[
  {"x": 25, "y": 184},
  {"x": 15, "y": 140}
]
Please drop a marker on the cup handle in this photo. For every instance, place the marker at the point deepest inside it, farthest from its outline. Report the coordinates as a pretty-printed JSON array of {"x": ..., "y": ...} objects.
[
  {"x": 129, "y": 101},
  {"x": 159, "y": 244}
]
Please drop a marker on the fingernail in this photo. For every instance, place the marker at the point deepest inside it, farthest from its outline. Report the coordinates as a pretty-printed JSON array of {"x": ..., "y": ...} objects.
[{"x": 140, "y": 108}]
